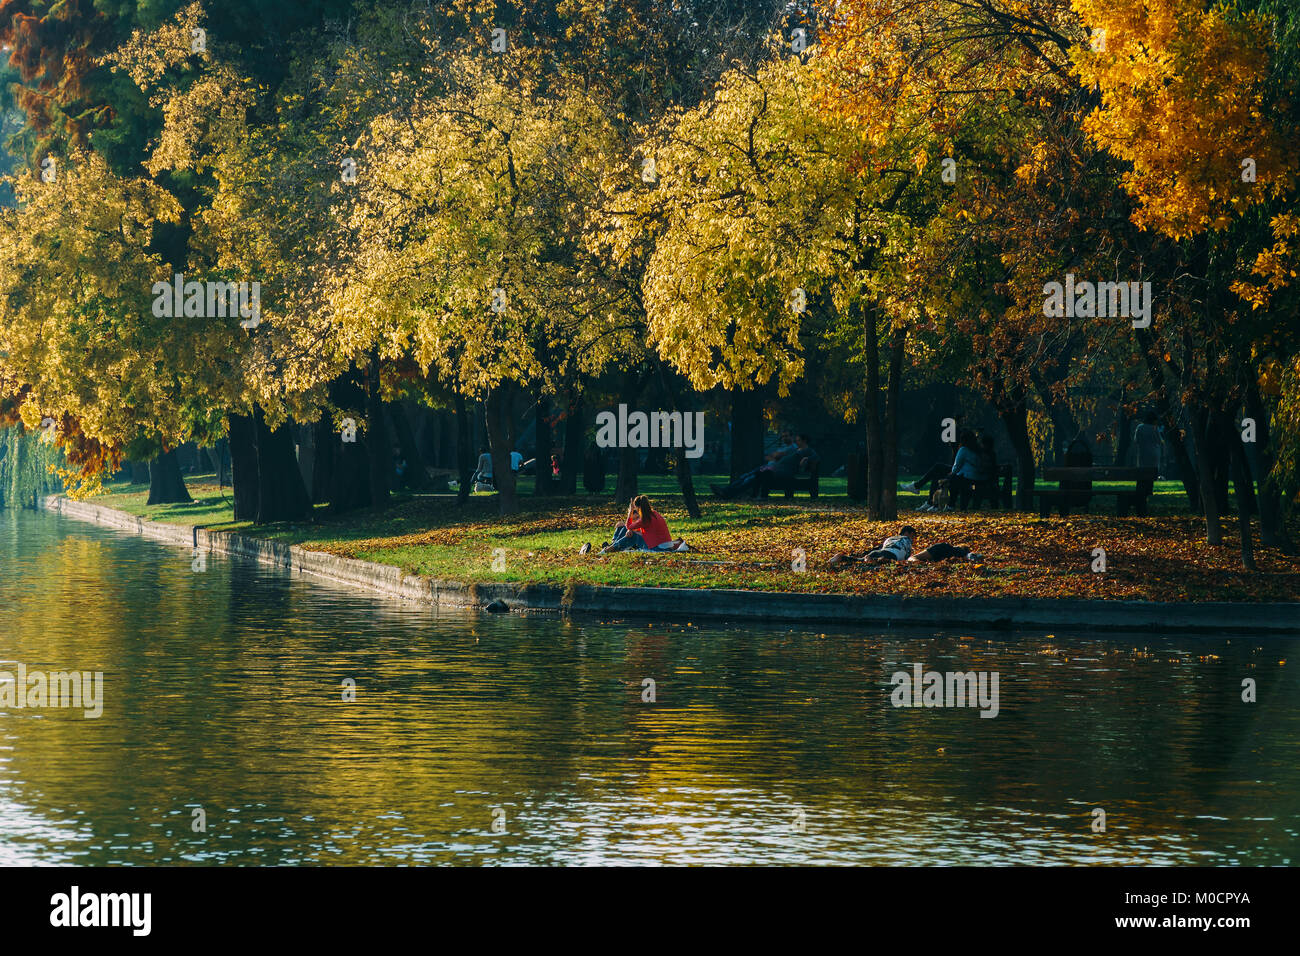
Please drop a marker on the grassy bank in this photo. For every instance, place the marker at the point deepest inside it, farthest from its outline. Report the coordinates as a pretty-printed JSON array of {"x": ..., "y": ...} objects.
[{"x": 750, "y": 545}]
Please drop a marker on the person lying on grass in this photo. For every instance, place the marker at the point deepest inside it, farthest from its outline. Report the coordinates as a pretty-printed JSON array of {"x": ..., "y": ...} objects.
[
  {"x": 899, "y": 548},
  {"x": 943, "y": 551},
  {"x": 644, "y": 529}
]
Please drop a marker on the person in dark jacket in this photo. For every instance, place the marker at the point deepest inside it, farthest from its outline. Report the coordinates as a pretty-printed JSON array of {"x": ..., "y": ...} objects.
[
  {"x": 748, "y": 482},
  {"x": 787, "y": 467}
]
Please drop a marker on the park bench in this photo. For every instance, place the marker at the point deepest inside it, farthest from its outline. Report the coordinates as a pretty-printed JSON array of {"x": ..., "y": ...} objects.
[
  {"x": 996, "y": 490},
  {"x": 805, "y": 480},
  {"x": 1075, "y": 488}
]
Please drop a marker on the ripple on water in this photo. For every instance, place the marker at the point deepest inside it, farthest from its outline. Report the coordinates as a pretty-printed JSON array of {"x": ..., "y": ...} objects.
[{"x": 507, "y": 739}]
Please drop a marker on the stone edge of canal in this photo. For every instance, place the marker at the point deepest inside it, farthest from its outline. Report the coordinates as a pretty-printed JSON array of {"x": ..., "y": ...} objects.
[{"x": 729, "y": 605}]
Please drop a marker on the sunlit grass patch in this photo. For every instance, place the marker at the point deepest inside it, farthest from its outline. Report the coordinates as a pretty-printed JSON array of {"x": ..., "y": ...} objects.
[{"x": 745, "y": 544}]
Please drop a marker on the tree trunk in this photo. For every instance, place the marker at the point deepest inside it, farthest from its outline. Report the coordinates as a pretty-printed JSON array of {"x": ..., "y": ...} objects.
[
  {"x": 304, "y": 437},
  {"x": 220, "y": 454},
  {"x": 325, "y": 456},
  {"x": 281, "y": 495},
  {"x": 542, "y": 483},
  {"x": 873, "y": 416},
  {"x": 656, "y": 461},
  {"x": 242, "y": 434},
  {"x": 593, "y": 469},
  {"x": 434, "y": 438},
  {"x": 190, "y": 457},
  {"x": 417, "y": 474},
  {"x": 464, "y": 450},
  {"x": 889, "y": 496},
  {"x": 1205, "y": 475},
  {"x": 1016, "y": 420},
  {"x": 746, "y": 430},
  {"x": 1188, "y": 471},
  {"x": 512, "y": 425},
  {"x": 626, "y": 489},
  {"x": 349, "y": 488},
  {"x": 166, "y": 486},
  {"x": 345, "y": 465},
  {"x": 498, "y": 411},
  {"x": 1220, "y": 460},
  {"x": 1272, "y": 533},
  {"x": 380, "y": 452},
  {"x": 855, "y": 471},
  {"x": 686, "y": 481},
  {"x": 681, "y": 463},
  {"x": 572, "y": 456},
  {"x": 1243, "y": 485},
  {"x": 1064, "y": 424},
  {"x": 1124, "y": 426},
  {"x": 1241, "y": 479}
]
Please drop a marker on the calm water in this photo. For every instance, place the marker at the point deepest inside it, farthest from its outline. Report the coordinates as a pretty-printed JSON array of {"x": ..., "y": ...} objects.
[{"x": 224, "y": 691}]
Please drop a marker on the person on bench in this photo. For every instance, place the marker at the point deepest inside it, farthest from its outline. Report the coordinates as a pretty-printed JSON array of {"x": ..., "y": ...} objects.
[
  {"x": 482, "y": 479},
  {"x": 960, "y": 476},
  {"x": 1077, "y": 455},
  {"x": 786, "y": 468},
  {"x": 748, "y": 482},
  {"x": 962, "y": 489}
]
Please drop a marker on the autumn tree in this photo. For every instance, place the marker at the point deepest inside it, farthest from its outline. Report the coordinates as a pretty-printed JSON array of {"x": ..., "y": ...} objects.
[
  {"x": 82, "y": 345},
  {"x": 772, "y": 221},
  {"x": 1199, "y": 102}
]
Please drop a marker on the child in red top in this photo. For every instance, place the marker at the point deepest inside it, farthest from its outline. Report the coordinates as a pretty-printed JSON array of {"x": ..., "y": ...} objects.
[{"x": 644, "y": 529}]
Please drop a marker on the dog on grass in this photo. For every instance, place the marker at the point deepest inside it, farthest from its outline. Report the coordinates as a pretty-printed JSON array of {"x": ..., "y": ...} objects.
[{"x": 941, "y": 495}]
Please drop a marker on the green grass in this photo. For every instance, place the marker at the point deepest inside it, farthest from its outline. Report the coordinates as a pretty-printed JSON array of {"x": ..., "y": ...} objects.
[
  {"x": 210, "y": 508},
  {"x": 213, "y": 507},
  {"x": 747, "y": 544}
]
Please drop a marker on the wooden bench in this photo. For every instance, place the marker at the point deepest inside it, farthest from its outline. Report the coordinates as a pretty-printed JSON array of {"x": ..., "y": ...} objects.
[
  {"x": 803, "y": 481},
  {"x": 1075, "y": 488},
  {"x": 996, "y": 490}
]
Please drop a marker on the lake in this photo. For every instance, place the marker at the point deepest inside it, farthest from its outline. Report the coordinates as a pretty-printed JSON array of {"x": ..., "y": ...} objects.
[{"x": 253, "y": 716}]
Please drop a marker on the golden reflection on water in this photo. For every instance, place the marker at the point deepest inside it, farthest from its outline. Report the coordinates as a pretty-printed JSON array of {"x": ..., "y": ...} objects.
[{"x": 225, "y": 691}]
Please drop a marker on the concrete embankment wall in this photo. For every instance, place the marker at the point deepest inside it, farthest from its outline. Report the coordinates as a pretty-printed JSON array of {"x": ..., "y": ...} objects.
[{"x": 874, "y": 611}]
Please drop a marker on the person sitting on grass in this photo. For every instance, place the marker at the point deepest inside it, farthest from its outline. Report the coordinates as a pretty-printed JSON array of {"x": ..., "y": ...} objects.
[
  {"x": 644, "y": 529},
  {"x": 896, "y": 548}
]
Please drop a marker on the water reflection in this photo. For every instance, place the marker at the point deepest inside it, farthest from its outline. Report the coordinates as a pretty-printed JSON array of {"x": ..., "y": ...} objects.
[{"x": 224, "y": 692}]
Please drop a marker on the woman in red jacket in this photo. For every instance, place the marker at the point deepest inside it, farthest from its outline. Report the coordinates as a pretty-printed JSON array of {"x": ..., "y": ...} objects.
[{"x": 644, "y": 529}]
